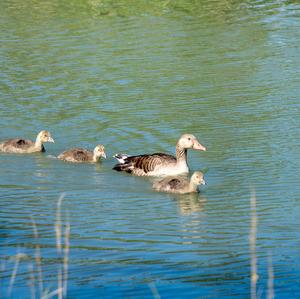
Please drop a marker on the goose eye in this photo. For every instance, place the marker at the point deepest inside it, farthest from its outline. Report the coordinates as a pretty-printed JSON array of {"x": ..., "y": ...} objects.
[{"x": 189, "y": 138}]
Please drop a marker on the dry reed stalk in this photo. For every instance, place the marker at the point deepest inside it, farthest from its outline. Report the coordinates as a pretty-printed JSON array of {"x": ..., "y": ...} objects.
[
  {"x": 18, "y": 257},
  {"x": 66, "y": 256},
  {"x": 52, "y": 294},
  {"x": 38, "y": 259},
  {"x": 154, "y": 290},
  {"x": 13, "y": 276},
  {"x": 57, "y": 228},
  {"x": 252, "y": 240},
  {"x": 62, "y": 275},
  {"x": 61, "y": 291},
  {"x": 60, "y": 285},
  {"x": 58, "y": 223},
  {"x": 2, "y": 271},
  {"x": 32, "y": 281},
  {"x": 270, "y": 294}
]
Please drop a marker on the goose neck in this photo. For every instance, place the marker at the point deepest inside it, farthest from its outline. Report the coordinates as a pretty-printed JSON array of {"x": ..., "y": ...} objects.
[
  {"x": 95, "y": 158},
  {"x": 38, "y": 143},
  {"x": 181, "y": 154},
  {"x": 192, "y": 186}
]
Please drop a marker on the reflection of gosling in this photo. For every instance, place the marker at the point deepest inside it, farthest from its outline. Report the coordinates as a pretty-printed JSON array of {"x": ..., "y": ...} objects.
[
  {"x": 24, "y": 146},
  {"x": 180, "y": 185},
  {"x": 81, "y": 155}
]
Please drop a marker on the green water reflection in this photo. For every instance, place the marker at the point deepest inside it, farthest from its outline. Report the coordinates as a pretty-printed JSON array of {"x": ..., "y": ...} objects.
[{"x": 135, "y": 75}]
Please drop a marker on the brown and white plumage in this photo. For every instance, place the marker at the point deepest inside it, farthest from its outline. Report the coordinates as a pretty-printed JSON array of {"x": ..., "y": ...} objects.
[
  {"x": 81, "y": 155},
  {"x": 25, "y": 146},
  {"x": 180, "y": 184},
  {"x": 159, "y": 164}
]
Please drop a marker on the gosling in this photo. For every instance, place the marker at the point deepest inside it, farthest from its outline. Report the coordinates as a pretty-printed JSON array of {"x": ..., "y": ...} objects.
[
  {"x": 81, "y": 155},
  {"x": 25, "y": 146},
  {"x": 179, "y": 184}
]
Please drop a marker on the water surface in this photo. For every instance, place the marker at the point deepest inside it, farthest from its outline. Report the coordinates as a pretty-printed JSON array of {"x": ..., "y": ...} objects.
[{"x": 135, "y": 78}]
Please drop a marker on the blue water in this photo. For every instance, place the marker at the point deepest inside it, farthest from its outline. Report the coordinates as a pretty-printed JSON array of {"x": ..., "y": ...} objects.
[{"x": 134, "y": 79}]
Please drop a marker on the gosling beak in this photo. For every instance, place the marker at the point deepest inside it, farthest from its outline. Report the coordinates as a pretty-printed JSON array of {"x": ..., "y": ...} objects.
[
  {"x": 203, "y": 182},
  {"x": 198, "y": 146},
  {"x": 104, "y": 155},
  {"x": 50, "y": 139}
]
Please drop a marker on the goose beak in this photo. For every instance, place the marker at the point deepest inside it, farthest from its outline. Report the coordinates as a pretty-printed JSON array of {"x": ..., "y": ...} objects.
[
  {"x": 104, "y": 155},
  {"x": 50, "y": 139},
  {"x": 203, "y": 182},
  {"x": 198, "y": 146}
]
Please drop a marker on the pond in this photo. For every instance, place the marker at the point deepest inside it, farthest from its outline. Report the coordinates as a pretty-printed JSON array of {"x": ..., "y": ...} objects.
[{"x": 135, "y": 77}]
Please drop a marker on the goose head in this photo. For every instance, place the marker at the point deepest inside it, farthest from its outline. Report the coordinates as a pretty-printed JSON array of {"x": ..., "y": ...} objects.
[
  {"x": 99, "y": 152},
  {"x": 190, "y": 141},
  {"x": 44, "y": 136},
  {"x": 198, "y": 178}
]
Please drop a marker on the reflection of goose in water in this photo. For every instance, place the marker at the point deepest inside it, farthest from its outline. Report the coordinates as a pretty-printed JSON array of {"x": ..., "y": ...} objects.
[
  {"x": 190, "y": 203},
  {"x": 25, "y": 146},
  {"x": 81, "y": 155},
  {"x": 180, "y": 185},
  {"x": 159, "y": 164}
]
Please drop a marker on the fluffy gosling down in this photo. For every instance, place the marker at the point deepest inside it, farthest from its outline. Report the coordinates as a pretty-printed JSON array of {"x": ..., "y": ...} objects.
[
  {"x": 180, "y": 185},
  {"x": 25, "y": 146},
  {"x": 82, "y": 155}
]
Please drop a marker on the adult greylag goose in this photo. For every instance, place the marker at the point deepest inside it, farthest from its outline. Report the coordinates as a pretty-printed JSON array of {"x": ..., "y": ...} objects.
[
  {"x": 159, "y": 164},
  {"x": 24, "y": 146},
  {"x": 179, "y": 184},
  {"x": 81, "y": 155}
]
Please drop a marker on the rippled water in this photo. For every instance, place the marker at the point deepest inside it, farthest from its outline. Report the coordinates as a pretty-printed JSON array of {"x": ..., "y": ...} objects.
[{"x": 136, "y": 80}]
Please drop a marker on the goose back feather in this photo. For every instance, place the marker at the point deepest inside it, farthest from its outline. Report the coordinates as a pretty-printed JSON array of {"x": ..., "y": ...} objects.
[
  {"x": 159, "y": 164},
  {"x": 145, "y": 165}
]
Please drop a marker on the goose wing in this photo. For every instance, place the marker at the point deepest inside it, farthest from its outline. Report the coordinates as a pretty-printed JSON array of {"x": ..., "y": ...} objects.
[
  {"x": 175, "y": 183},
  {"x": 168, "y": 184},
  {"x": 143, "y": 164},
  {"x": 82, "y": 155}
]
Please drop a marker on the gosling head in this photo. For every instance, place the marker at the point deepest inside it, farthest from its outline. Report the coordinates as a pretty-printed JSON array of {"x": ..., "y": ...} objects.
[
  {"x": 44, "y": 136},
  {"x": 99, "y": 152},
  {"x": 198, "y": 178},
  {"x": 190, "y": 141}
]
